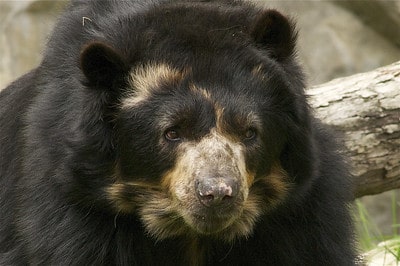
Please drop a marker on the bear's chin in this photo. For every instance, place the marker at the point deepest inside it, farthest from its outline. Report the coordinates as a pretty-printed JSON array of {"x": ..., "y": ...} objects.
[
  {"x": 211, "y": 223},
  {"x": 166, "y": 222}
]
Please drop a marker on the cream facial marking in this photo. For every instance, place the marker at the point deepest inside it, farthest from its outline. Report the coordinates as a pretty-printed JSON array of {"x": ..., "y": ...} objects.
[
  {"x": 213, "y": 159},
  {"x": 126, "y": 196},
  {"x": 251, "y": 120},
  {"x": 276, "y": 186},
  {"x": 203, "y": 92},
  {"x": 171, "y": 208},
  {"x": 209, "y": 190},
  {"x": 145, "y": 80}
]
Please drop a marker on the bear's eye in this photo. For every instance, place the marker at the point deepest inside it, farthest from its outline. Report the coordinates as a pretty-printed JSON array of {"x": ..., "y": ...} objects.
[
  {"x": 172, "y": 135},
  {"x": 250, "y": 134}
]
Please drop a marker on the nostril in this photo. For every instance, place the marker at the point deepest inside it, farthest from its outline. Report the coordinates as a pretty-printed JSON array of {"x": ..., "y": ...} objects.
[
  {"x": 207, "y": 199},
  {"x": 227, "y": 197}
]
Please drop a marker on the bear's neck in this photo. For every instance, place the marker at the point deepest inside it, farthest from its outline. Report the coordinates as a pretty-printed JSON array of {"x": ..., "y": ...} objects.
[
  {"x": 196, "y": 250},
  {"x": 200, "y": 251}
]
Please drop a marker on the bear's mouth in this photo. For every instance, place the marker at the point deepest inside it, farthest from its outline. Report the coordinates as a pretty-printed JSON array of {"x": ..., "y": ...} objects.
[
  {"x": 211, "y": 221},
  {"x": 164, "y": 215},
  {"x": 208, "y": 192},
  {"x": 165, "y": 218}
]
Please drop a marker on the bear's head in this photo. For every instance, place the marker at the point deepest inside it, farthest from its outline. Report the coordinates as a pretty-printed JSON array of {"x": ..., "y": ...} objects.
[{"x": 206, "y": 115}]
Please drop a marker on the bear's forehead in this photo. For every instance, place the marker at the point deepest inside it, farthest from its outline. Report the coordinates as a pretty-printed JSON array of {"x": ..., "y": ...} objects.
[
  {"x": 162, "y": 83},
  {"x": 156, "y": 79}
]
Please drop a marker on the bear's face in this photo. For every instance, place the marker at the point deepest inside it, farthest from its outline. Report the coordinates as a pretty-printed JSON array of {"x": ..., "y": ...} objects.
[
  {"x": 199, "y": 141},
  {"x": 191, "y": 161}
]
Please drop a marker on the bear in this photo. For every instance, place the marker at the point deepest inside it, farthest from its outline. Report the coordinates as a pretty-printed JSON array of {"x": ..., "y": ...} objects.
[{"x": 170, "y": 133}]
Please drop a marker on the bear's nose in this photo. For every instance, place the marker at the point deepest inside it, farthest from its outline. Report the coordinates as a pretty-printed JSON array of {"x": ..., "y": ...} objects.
[{"x": 220, "y": 191}]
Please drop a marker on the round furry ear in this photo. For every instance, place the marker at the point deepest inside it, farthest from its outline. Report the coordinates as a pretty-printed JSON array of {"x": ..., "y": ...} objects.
[
  {"x": 101, "y": 64},
  {"x": 276, "y": 33}
]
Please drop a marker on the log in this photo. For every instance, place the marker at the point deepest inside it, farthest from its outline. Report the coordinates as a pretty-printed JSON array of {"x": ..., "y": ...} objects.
[{"x": 366, "y": 108}]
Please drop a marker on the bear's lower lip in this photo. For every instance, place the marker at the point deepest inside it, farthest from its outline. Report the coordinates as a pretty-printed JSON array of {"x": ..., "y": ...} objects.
[
  {"x": 209, "y": 226},
  {"x": 211, "y": 223}
]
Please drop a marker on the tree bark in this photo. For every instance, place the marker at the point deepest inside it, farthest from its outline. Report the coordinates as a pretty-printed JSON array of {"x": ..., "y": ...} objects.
[{"x": 366, "y": 108}]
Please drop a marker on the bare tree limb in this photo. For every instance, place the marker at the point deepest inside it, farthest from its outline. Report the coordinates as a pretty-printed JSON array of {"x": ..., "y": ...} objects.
[{"x": 366, "y": 107}]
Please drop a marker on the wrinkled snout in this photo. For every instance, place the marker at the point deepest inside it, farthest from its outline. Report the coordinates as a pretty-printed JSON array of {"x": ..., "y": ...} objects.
[{"x": 216, "y": 191}]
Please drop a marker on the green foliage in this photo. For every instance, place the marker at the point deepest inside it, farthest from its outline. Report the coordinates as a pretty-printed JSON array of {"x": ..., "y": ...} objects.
[{"x": 383, "y": 249}]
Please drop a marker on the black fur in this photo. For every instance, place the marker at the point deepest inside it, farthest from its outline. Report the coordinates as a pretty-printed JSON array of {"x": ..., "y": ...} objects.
[{"x": 63, "y": 133}]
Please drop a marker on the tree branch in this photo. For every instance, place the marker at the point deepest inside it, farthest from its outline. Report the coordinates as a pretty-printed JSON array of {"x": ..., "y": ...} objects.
[{"x": 366, "y": 107}]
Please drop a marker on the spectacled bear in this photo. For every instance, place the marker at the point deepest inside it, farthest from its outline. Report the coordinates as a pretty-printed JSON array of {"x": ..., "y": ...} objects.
[{"x": 169, "y": 133}]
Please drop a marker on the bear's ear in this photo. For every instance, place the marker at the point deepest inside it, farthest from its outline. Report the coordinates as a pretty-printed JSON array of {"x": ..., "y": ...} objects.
[
  {"x": 276, "y": 33},
  {"x": 101, "y": 64}
]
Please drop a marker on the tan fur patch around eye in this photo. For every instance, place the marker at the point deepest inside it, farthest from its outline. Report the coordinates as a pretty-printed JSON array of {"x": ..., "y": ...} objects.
[
  {"x": 250, "y": 120},
  {"x": 144, "y": 80},
  {"x": 221, "y": 126}
]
